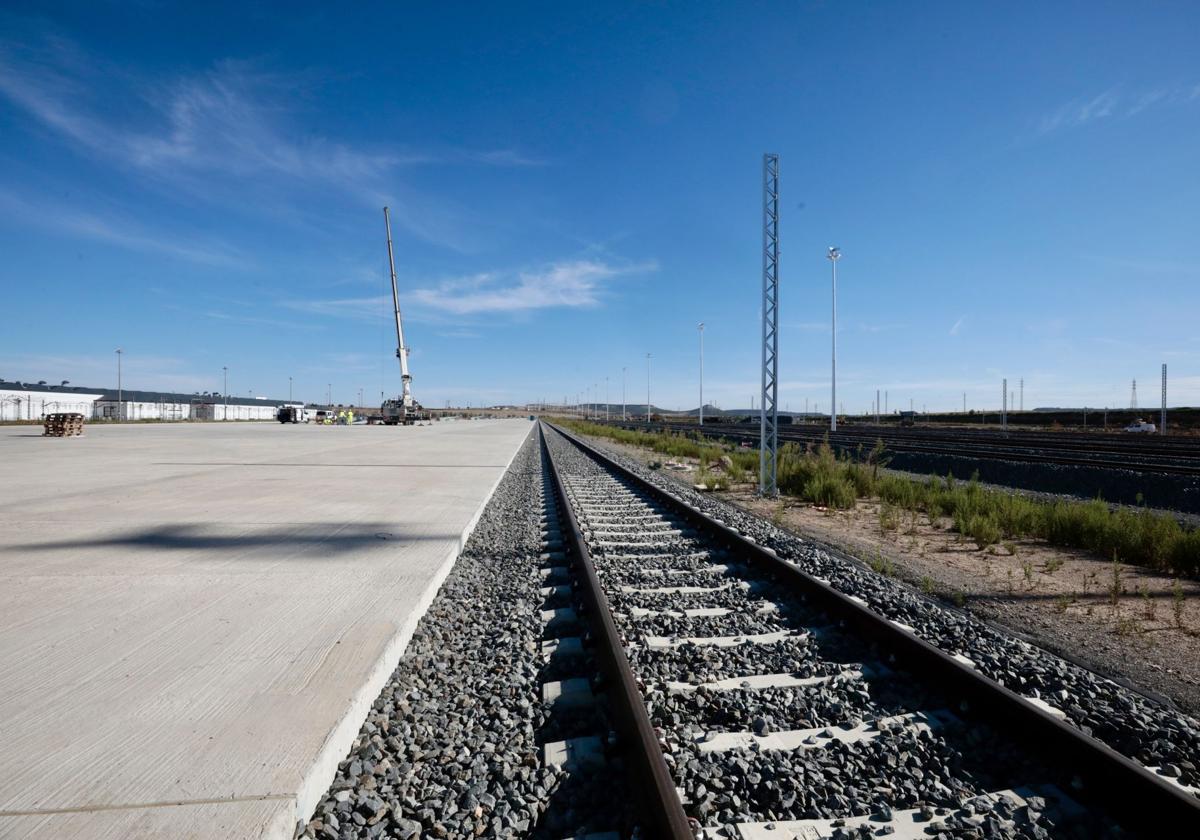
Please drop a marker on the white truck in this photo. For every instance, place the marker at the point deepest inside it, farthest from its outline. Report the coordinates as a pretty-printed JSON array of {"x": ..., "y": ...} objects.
[
  {"x": 292, "y": 414},
  {"x": 1141, "y": 426}
]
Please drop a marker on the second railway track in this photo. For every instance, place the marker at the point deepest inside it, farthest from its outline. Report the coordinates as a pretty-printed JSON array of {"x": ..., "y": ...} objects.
[
  {"x": 1169, "y": 457},
  {"x": 756, "y": 700}
]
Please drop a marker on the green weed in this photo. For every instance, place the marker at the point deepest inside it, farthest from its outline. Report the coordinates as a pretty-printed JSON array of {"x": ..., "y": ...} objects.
[{"x": 987, "y": 517}]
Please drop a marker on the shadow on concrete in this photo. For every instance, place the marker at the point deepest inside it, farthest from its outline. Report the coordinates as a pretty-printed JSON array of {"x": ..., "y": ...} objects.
[
  {"x": 329, "y": 539},
  {"x": 336, "y": 466}
]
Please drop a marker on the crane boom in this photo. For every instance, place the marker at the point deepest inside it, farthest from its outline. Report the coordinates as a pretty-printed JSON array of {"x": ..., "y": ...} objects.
[{"x": 401, "y": 350}]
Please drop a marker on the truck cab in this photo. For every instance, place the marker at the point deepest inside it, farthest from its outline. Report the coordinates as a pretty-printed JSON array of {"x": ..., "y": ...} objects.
[{"x": 396, "y": 413}]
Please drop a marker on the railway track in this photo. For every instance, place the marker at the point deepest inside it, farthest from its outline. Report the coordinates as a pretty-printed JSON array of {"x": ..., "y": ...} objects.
[
  {"x": 753, "y": 699},
  {"x": 1168, "y": 460}
]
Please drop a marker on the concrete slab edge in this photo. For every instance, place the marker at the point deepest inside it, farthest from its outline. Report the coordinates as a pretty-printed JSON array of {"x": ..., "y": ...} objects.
[{"x": 323, "y": 769}]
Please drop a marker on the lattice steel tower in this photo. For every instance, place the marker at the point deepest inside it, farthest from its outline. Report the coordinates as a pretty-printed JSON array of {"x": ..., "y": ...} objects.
[
  {"x": 1133, "y": 395},
  {"x": 768, "y": 446},
  {"x": 1162, "y": 420}
]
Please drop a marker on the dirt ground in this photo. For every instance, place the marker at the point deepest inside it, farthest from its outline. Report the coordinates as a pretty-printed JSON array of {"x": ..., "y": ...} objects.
[{"x": 1133, "y": 625}]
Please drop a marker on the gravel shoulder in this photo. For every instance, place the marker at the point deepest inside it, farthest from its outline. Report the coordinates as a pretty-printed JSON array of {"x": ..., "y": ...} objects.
[
  {"x": 1146, "y": 637},
  {"x": 452, "y": 747}
]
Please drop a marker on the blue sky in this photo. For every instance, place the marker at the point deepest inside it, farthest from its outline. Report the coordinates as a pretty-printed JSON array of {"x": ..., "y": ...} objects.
[{"x": 1015, "y": 188}]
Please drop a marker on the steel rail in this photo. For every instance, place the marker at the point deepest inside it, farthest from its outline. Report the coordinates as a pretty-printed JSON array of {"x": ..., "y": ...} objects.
[
  {"x": 1141, "y": 799},
  {"x": 661, "y": 806}
]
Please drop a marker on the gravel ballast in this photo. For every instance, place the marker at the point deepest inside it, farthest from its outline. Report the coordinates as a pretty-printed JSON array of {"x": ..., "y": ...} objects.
[
  {"x": 943, "y": 770},
  {"x": 1126, "y": 721},
  {"x": 452, "y": 747}
]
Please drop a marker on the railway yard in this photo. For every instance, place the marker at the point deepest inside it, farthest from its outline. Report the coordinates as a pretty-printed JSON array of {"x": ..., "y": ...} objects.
[
  {"x": 609, "y": 654},
  {"x": 397, "y": 431},
  {"x": 1156, "y": 470}
]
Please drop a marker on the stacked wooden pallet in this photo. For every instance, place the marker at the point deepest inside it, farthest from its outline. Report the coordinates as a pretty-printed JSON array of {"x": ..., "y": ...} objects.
[{"x": 63, "y": 425}]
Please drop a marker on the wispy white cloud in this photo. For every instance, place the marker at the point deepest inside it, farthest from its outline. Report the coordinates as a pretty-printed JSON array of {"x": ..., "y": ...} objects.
[
  {"x": 209, "y": 132},
  {"x": 569, "y": 284},
  {"x": 958, "y": 325},
  {"x": 371, "y": 308},
  {"x": 1080, "y": 112},
  {"x": 121, "y": 232},
  {"x": 565, "y": 284},
  {"x": 1113, "y": 103},
  {"x": 255, "y": 321},
  {"x": 505, "y": 157},
  {"x": 459, "y": 334}
]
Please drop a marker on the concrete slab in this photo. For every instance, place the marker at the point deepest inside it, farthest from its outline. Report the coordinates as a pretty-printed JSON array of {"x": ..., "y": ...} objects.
[{"x": 194, "y": 619}]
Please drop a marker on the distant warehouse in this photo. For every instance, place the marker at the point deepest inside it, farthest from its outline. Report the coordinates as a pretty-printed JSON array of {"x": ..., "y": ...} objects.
[{"x": 28, "y": 401}]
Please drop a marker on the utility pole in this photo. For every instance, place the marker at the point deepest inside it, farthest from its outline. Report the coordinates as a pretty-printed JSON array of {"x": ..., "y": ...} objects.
[
  {"x": 768, "y": 436},
  {"x": 622, "y": 395},
  {"x": 964, "y": 402},
  {"x": 225, "y": 395},
  {"x": 1022, "y": 393},
  {"x": 647, "y": 388},
  {"x": 700, "y": 329},
  {"x": 329, "y": 393},
  {"x": 876, "y": 405},
  {"x": 1004, "y": 407},
  {"x": 833, "y": 255},
  {"x": 885, "y": 402},
  {"x": 120, "y": 395},
  {"x": 606, "y": 399}
]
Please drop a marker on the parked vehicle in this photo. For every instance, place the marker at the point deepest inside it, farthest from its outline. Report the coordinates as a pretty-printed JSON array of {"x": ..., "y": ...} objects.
[
  {"x": 292, "y": 414},
  {"x": 1141, "y": 426}
]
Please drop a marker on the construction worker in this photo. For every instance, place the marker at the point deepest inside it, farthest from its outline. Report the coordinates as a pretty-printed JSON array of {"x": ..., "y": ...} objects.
[{"x": 350, "y": 417}]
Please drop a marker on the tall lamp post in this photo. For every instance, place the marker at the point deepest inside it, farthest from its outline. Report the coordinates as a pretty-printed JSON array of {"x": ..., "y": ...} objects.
[
  {"x": 647, "y": 388},
  {"x": 700, "y": 329},
  {"x": 120, "y": 400},
  {"x": 289, "y": 389},
  {"x": 622, "y": 395},
  {"x": 606, "y": 399},
  {"x": 834, "y": 255},
  {"x": 225, "y": 393}
]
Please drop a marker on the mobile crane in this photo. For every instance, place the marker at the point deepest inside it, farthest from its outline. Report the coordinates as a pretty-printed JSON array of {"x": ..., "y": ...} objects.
[{"x": 405, "y": 410}]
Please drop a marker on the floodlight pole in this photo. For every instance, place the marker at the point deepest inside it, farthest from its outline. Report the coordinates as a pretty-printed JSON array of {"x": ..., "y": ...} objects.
[
  {"x": 647, "y": 389},
  {"x": 700, "y": 329},
  {"x": 225, "y": 394},
  {"x": 120, "y": 401},
  {"x": 833, "y": 256}
]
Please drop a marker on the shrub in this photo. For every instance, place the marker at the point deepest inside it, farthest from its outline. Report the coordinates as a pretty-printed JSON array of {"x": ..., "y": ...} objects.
[
  {"x": 984, "y": 530},
  {"x": 983, "y": 515},
  {"x": 831, "y": 491}
]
